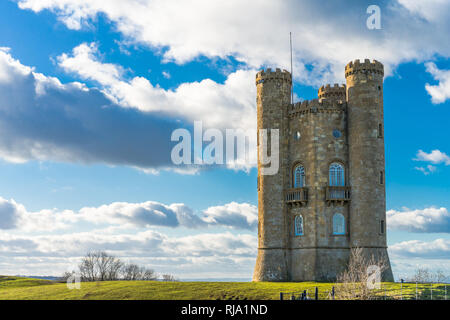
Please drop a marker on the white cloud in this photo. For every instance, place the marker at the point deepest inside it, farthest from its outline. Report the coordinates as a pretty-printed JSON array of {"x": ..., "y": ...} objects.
[
  {"x": 430, "y": 220},
  {"x": 434, "y": 156},
  {"x": 166, "y": 74},
  {"x": 238, "y": 215},
  {"x": 426, "y": 170},
  {"x": 437, "y": 249},
  {"x": 257, "y": 32},
  {"x": 43, "y": 119},
  {"x": 431, "y": 10},
  {"x": 9, "y": 213},
  {"x": 198, "y": 255},
  {"x": 228, "y": 105},
  {"x": 441, "y": 92},
  {"x": 128, "y": 215}
]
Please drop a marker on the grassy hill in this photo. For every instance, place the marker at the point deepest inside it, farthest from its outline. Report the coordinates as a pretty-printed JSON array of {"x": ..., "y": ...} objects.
[{"x": 23, "y": 288}]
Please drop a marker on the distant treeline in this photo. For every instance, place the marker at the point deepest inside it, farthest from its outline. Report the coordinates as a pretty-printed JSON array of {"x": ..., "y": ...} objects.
[{"x": 100, "y": 266}]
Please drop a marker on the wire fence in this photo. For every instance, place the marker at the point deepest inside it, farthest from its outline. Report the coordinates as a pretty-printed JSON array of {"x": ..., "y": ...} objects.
[{"x": 390, "y": 291}]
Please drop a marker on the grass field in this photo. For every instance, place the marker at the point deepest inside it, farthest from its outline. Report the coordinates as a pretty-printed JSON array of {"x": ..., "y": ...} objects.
[{"x": 22, "y": 288}]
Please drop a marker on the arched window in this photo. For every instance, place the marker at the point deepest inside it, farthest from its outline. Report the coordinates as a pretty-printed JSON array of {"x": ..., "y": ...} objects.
[
  {"x": 338, "y": 224},
  {"x": 298, "y": 225},
  {"x": 299, "y": 176},
  {"x": 337, "y": 175}
]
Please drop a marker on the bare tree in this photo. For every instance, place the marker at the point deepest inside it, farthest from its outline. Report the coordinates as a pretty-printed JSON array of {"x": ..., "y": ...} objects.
[
  {"x": 100, "y": 266},
  {"x": 168, "y": 277},
  {"x": 114, "y": 269},
  {"x": 422, "y": 275},
  {"x": 131, "y": 271},
  {"x": 149, "y": 274},
  {"x": 439, "y": 276},
  {"x": 88, "y": 267},
  {"x": 354, "y": 282}
]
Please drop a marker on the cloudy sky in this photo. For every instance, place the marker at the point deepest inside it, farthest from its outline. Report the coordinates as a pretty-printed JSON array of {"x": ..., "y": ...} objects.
[{"x": 91, "y": 90}]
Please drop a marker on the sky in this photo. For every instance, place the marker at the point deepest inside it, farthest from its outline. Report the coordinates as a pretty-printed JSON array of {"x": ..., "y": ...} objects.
[{"x": 91, "y": 91}]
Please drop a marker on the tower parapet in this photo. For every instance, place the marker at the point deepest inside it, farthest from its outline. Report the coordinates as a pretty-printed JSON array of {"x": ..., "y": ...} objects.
[
  {"x": 336, "y": 93},
  {"x": 268, "y": 74},
  {"x": 363, "y": 67}
]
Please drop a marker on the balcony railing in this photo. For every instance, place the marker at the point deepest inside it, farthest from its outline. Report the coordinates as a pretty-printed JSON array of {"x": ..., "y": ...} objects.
[
  {"x": 338, "y": 194},
  {"x": 297, "y": 196}
]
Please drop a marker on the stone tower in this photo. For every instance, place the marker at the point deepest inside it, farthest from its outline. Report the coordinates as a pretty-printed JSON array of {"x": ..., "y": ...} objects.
[{"x": 329, "y": 193}]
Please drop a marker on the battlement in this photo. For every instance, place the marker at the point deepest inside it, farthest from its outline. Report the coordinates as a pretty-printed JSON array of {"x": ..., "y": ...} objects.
[
  {"x": 337, "y": 92},
  {"x": 316, "y": 106},
  {"x": 268, "y": 74},
  {"x": 367, "y": 66}
]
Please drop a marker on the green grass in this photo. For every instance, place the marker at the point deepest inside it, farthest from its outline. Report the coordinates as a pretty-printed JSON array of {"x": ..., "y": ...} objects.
[
  {"x": 7, "y": 282},
  {"x": 22, "y": 288}
]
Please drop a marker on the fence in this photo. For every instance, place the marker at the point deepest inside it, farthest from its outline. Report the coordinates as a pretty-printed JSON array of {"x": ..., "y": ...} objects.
[{"x": 388, "y": 291}]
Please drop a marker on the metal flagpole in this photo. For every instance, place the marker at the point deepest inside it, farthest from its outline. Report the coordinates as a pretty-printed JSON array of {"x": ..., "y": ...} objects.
[{"x": 292, "y": 76}]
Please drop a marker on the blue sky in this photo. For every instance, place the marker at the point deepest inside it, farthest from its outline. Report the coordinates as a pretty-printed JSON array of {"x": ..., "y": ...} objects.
[{"x": 90, "y": 92}]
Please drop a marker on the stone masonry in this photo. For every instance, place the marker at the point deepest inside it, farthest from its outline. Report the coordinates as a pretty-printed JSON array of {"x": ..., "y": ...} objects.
[{"x": 343, "y": 126}]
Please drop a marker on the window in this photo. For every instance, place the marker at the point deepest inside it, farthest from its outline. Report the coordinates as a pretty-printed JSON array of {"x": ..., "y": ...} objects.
[
  {"x": 297, "y": 135},
  {"x": 380, "y": 130},
  {"x": 298, "y": 222},
  {"x": 337, "y": 134},
  {"x": 337, "y": 176},
  {"x": 381, "y": 177},
  {"x": 382, "y": 226},
  {"x": 338, "y": 224},
  {"x": 299, "y": 176}
]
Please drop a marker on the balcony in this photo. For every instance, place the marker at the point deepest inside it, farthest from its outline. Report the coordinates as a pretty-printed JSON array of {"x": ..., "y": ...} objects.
[
  {"x": 337, "y": 194},
  {"x": 296, "y": 196}
]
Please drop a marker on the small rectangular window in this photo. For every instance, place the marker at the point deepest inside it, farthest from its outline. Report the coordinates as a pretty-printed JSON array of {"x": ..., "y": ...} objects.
[
  {"x": 382, "y": 226},
  {"x": 381, "y": 177},
  {"x": 380, "y": 130}
]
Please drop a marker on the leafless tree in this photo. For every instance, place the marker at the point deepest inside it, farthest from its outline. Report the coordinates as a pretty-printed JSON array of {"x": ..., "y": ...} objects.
[
  {"x": 149, "y": 274},
  {"x": 440, "y": 277},
  {"x": 114, "y": 269},
  {"x": 168, "y": 277},
  {"x": 67, "y": 275},
  {"x": 131, "y": 271},
  {"x": 353, "y": 283},
  {"x": 422, "y": 275},
  {"x": 100, "y": 266},
  {"x": 88, "y": 267}
]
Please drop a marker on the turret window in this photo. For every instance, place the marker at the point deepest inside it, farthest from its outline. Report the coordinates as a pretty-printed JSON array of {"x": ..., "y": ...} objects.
[
  {"x": 298, "y": 225},
  {"x": 380, "y": 130},
  {"x": 337, "y": 134},
  {"x": 338, "y": 224},
  {"x": 337, "y": 175},
  {"x": 299, "y": 176}
]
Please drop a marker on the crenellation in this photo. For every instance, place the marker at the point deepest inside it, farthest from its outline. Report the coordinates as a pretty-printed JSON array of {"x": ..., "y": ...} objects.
[
  {"x": 333, "y": 93},
  {"x": 363, "y": 67},
  {"x": 268, "y": 74}
]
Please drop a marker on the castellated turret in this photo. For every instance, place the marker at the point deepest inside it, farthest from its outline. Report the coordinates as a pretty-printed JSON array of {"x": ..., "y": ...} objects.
[{"x": 329, "y": 193}]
